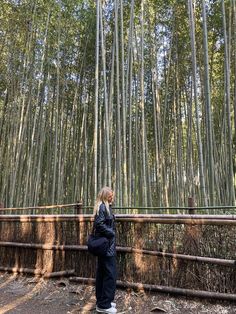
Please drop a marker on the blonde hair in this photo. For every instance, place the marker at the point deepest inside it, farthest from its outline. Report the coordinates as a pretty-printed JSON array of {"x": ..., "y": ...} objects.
[{"x": 103, "y": 198}]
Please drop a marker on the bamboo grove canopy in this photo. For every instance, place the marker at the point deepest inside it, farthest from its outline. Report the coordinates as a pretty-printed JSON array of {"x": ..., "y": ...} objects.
[{"x": 139, "y": 95}]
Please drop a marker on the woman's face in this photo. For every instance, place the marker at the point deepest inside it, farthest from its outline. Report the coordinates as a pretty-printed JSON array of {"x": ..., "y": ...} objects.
[{"x": 110, "y": 197}]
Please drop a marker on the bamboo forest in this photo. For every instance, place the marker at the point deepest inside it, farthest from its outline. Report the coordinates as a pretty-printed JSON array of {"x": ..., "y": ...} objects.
[{"x": 136, "y": 95}]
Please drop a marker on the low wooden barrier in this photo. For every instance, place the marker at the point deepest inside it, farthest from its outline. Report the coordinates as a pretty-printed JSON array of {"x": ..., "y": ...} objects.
[{"x": 188, "y": 252}]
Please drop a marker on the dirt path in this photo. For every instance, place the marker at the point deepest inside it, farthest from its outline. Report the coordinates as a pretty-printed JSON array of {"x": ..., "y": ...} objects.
[{"x": 28, "y": 295}]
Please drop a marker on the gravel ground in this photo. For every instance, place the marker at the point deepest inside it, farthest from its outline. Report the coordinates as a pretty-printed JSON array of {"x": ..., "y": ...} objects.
[{"x": 29, "y": 295}]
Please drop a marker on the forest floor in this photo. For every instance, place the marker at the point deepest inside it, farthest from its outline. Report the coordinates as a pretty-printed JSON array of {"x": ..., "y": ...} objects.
[{"x": 30, "y": 295}]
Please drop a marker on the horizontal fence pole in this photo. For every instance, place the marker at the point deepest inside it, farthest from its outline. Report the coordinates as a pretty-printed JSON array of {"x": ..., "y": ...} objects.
[
  {"x": 161, "y": 219},
  {"x": 38, "y": 272},
  {"x": 42, "y": 207},
  {"x": 209, "y": 260},
  {"x": 116, "y": 207},
  {"x": 46, "y": 246},
  {"x": 119, "y": 216},
  {"x": 163, "y": 289},
  {"x": 172, "y": 207},
  {"x": 174, "y": 216},
  {"x": 62, "y": 273},
  {"x": 46, "y": 218},
  {"x": 183, "y": 221}
]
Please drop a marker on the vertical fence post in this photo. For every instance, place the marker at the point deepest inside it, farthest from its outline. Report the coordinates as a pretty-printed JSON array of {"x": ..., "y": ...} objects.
[
  {"x": 191, "y": 205},
  {"x": 78, "y": 208}
]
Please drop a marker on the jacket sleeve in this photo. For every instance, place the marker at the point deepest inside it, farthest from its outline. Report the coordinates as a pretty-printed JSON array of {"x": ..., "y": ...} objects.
[{"x": 100, "y": 223}]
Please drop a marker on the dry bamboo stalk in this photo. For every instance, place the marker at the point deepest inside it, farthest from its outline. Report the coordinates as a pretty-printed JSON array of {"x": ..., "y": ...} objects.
[
  {"x": 38, "y": 272},
  {"x": 170, "y": 207},
  {"x": 165, "y": 289},
  {"x": 44, "y": 246},
  {"x": 119, "y": 217},
  {"x": 218, "y": 261},
  {"x": 42, "y": 207},
  {"x": 134, "y": 218},
  {"x": 23, "y": 270},
  {"x": 192, "y": 216},
  {"x": 122, "y": 217},
  {"x": 46, "y": 218},
  {"x": 123, "y": 207},
  {"x": 180, "y": 221},
  {"x": 59, "y": 273}
]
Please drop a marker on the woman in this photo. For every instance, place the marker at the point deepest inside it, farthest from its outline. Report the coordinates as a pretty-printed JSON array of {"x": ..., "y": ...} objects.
[{"x": 106, "y": 267}]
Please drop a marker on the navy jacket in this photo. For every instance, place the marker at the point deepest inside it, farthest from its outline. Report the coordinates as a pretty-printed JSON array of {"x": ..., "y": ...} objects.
[{"x": 105, "y": 227}]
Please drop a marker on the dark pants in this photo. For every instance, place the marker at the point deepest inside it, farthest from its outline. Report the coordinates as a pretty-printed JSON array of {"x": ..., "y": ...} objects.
[{"x": 105, "y": 281}]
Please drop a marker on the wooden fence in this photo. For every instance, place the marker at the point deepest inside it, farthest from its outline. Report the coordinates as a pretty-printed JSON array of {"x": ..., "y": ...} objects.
[{"x": 187, "y": 254}]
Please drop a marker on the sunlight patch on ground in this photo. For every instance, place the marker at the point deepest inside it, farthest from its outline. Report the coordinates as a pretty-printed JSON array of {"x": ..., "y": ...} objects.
[
  {"x": 23, "y": 299},
  {"x": 9, "y": 280}
]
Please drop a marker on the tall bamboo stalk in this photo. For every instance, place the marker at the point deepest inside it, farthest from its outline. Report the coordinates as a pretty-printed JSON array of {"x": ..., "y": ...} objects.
[
  {"x": 144, "y": 152},
  {"x": 208, "y": 109},
  {"x": 197, "y": 109},
  {"x": 228, "y": 112},
  {"x": 96, "y": 103}
]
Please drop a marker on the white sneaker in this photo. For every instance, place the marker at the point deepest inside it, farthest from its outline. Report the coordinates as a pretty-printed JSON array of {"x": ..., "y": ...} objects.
[
  {"x": 108, "y": 311},
  {"x": 113, "y": 304}
]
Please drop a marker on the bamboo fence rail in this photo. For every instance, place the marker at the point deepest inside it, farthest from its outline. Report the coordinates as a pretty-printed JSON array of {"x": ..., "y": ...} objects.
[
  {"x": 172, "y": 290},
  {"x": 38, "y": 272},
  {"x": 41, "y": 207},
  {"x": 162, "y": 218},
  {"x": 218, "y": 261},
  {"x": 83, "y": 207}
]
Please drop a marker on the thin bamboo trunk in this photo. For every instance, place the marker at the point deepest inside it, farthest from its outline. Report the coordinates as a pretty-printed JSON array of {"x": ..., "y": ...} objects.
[
  {"x": 124, "y": 96},
  {"x": 129, "y": 99},
  {"x": 96, "y": 104},
  {"x": 143, "y": 130},
  {"x": 119, "y": 149},
  {"x": 107, "y": 122},
  {"x": 56, "y": 116},
  {"x": 228, "y": 114},
  {"x": 210, "y": 150},
  {"x": 197, "y": 108}
]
